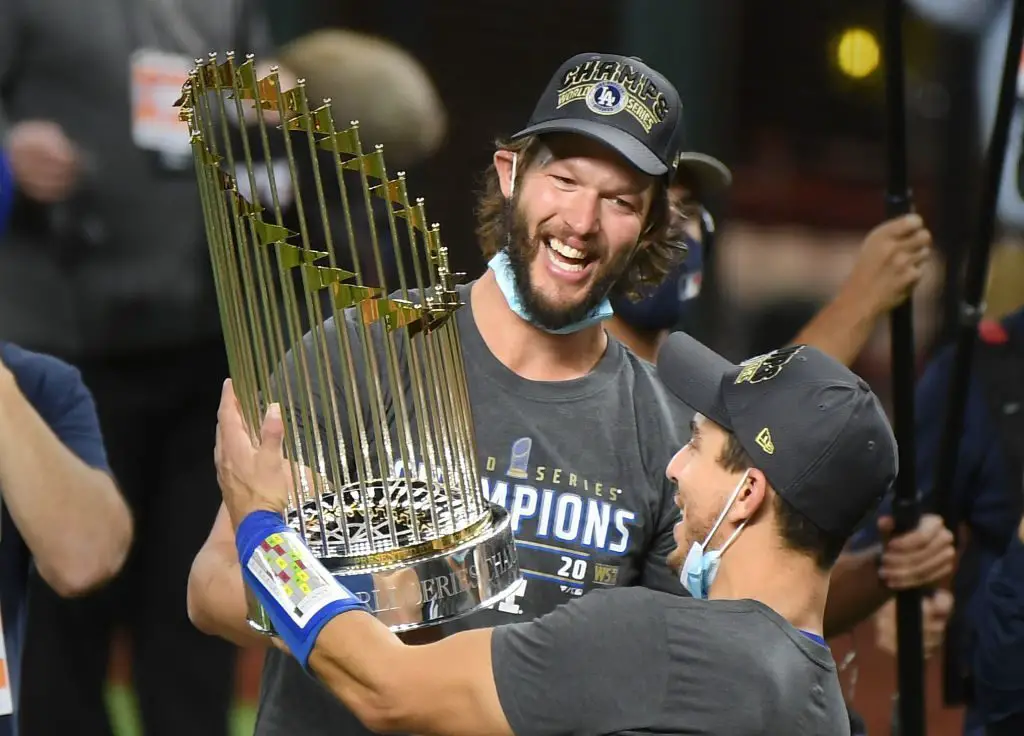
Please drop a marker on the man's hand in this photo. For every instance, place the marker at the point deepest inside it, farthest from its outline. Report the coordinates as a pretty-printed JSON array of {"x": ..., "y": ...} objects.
[
  {"x": 250, "y": 478},
  {"x": 43, "y": 160},
  {"x": 892, "y": 261},
  {"x": 924, "y": 556},
  {"x": 935, "y": 612}
]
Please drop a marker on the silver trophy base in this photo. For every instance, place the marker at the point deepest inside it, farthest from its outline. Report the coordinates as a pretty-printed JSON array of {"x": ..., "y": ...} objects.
[{"x": 432, "y": 590}]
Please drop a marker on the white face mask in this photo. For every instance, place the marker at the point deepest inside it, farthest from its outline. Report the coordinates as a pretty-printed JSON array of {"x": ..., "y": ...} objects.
[{"x": 701, "y": 567}]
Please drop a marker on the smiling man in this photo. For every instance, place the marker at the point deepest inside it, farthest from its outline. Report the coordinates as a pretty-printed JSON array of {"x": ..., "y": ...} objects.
[
  {"x": 789, "y": 452},
  {"x": 574, "y": 207}
]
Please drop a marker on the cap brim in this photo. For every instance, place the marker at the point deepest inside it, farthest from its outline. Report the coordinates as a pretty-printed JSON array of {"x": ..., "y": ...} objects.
[
  {"x": 629, "y": 147},
  {"x": 694, "y": 372},
  {"x": 706, "y": 174}
]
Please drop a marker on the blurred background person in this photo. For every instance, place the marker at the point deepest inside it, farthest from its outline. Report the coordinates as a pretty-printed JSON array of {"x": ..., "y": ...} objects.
[
  {"x": 998, "y": 661},
  {"x": 62, "y": 513},
  {"x": 105, "y": 264}
]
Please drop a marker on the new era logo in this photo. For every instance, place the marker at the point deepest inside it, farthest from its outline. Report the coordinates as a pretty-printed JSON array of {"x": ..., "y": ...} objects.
[{"x": 764, "y": 441}]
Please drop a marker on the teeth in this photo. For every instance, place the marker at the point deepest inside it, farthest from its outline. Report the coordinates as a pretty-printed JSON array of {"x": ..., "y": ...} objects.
[
  {"x": 565, "y": 250},
  {"x": 562, "y": 265}
]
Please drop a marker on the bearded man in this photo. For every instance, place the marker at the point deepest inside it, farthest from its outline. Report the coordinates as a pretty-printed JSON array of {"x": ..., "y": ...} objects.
[{"x": 575, "y": 205}]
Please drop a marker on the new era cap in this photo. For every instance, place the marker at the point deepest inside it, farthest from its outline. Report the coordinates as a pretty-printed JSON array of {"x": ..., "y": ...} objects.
[
  {"x": 619, "y": 101},
  {"x": 812, "y": 426}
]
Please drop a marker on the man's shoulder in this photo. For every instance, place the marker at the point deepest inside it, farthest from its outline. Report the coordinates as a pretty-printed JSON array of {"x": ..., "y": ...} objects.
[
  {"x": 43, "y": 378},
  {"x": 650, "y": 392}
]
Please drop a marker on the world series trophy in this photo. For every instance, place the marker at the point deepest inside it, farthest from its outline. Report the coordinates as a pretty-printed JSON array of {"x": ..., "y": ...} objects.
[{"x": 385, "y": 490}]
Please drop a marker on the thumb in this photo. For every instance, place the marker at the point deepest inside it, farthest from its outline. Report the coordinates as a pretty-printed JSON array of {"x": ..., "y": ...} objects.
[
  {"x": 886, "y": 526},
  {"x": 272, "y": 432}
]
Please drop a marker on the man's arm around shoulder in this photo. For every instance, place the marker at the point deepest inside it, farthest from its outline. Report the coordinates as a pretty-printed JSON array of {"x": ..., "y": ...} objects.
[{"x": 55, "y": 480}]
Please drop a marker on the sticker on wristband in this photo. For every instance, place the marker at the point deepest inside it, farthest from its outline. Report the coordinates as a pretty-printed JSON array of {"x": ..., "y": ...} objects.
[{"x": 287, "y": 570}]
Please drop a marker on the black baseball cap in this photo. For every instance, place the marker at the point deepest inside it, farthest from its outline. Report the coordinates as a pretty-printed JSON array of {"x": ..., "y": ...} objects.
[
  {"x": 705, "y": 175},
  {"x": 619, "y": 101},
  {"x": 810, "y": 424}
]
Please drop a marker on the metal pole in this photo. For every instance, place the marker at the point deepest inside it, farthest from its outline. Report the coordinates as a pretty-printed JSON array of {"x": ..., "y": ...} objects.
[
  {"x": 906, "y": 505},
  {"x": 976, "y": 273}
]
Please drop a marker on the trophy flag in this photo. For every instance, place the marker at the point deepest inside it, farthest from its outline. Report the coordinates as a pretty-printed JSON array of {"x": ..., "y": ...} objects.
[{"x": 370, "y": 377}]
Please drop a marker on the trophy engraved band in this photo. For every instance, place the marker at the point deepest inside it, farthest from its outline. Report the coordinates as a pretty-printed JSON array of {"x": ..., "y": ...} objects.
[{"x": 385, "y": 486}]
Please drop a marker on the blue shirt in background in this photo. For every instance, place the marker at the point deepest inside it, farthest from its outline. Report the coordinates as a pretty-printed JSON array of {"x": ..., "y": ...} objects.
[
  {"x": 56, "y": 391},
  {"x": 983, "y": 492}
]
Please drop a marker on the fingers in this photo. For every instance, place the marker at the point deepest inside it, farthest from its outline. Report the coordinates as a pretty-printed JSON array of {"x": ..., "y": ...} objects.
[
  {"x": 925, "y": 556},
  {"x": 930, "y": 530},
  {"x": 918, "y": 569},
  {"x": 886, "y": 525},
  {"x": 270, "y": 454},
  {"x": 941, "y": 604},
  {"x": 936, "y": 610},
  {"x": 900, "y": 227}
]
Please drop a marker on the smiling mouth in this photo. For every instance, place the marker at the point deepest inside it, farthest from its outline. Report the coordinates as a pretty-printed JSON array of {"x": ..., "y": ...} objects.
[{"x": 565, "y": 257}]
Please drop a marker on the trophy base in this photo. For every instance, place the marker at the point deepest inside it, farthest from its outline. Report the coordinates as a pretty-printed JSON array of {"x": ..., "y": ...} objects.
[{"x": 429, "y": 590}]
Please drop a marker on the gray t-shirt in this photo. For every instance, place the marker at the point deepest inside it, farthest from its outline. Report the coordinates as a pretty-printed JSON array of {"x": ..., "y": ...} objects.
[
  {"x": 637, "y": 661},
  {"x": 579, "y": 464}
]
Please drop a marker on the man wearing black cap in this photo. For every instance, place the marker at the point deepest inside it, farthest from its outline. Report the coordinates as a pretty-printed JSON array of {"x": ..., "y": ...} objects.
[
  {"x": 575, "y": 207},
  {"x": 789, "y": 452}
]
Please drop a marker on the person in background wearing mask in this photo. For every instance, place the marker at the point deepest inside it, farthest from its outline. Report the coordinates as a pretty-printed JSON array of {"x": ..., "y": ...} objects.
[
  {"x": 892, "y": 260},
  {"x": 62, "y": 513},
  {"x": 788, "y": 452}
]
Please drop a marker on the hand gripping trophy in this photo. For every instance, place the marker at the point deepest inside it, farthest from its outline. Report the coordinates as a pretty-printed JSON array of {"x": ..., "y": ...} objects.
[{"x": 386, "y": 490}]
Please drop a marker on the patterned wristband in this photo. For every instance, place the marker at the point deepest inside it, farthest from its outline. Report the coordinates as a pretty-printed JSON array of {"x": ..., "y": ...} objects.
[{"x": 298, "y": 593}]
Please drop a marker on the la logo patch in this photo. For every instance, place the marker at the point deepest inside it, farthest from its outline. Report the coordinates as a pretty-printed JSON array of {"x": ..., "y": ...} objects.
[{"x": 606, "y": 98}]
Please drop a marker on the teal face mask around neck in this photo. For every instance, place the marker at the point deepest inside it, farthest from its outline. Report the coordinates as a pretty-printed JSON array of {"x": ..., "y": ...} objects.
[{"x": 507, "y": 283}]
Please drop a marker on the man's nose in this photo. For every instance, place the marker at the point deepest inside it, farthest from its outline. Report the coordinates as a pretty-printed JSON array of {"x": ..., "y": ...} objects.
[{"x": 582, "y": 213}]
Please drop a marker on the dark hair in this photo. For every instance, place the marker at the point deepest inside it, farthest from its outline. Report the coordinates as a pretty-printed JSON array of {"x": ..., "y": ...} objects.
[
  {"x": 796, "y": 530},
  {"x": 662, "y": 244}
]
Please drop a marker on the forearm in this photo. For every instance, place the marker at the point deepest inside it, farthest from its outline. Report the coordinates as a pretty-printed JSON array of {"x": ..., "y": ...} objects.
[
  {"x": 842, "y": 328},
  {"x": 217, "y": 601},
  {"x": 855, "y": 591},
  {"x": 72, "y": 517},
  {"x": 357, "y": 657}
]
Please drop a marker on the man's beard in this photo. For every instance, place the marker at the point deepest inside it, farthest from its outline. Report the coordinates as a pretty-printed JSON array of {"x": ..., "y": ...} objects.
[
  {"x": 523, "y": 250},
  {"x": 677, "y": 556}
]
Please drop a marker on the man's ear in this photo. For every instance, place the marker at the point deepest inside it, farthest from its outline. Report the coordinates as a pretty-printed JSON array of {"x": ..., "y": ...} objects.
[
  {"x": 753, "y": 499},
  {"x": 504, "y": 164}
]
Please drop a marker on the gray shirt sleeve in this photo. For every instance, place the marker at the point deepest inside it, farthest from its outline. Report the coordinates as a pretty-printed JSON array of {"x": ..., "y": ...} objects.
[{"x": 596, "y": 665}]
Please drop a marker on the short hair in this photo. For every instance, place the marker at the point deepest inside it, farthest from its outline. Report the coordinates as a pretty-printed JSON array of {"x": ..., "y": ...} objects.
[
  {"x": 662, "y": 235},
  {"x": 798, "y": 533}
]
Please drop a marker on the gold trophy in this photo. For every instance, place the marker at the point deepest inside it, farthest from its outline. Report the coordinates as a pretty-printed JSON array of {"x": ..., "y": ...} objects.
[{"x": 386, "y": 491}]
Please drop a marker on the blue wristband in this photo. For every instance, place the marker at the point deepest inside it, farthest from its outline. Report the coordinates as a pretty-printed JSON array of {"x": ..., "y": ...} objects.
[{"x": 298, "y": 593}]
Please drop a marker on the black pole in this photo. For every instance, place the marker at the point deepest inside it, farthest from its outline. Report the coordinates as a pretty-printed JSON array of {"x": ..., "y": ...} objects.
[
  {"x": 976, "y": 273},
  {"x": 906, "y": 506},
  {"x": 967, "y": 313}
]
